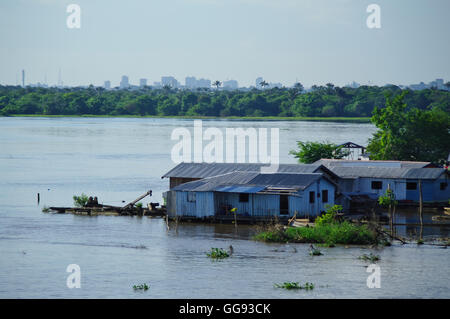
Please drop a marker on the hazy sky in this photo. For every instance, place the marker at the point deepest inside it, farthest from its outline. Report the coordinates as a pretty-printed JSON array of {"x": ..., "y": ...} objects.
[{"x": 311, "y": 41}]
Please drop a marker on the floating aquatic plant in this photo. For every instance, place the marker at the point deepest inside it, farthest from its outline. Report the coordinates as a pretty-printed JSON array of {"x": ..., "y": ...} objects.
[
  {"x": 295, "y": 285},
  {"x": 370, "y": 257},
  {"x": 143, "y": 286},
  {"x": 218, "y": 253}
]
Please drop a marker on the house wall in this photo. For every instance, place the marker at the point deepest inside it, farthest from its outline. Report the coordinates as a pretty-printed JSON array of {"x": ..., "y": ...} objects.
[
  {"x": 430, "y": 188},
  {"x": 441, "y": 195},
  {"x": 210, "y": 203},
  {"x": 269, "y": 204},
  {"x": 203, "y": 206}
]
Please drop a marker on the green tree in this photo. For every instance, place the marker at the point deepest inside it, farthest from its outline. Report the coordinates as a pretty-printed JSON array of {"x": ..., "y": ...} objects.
[
  {"x": 409, "y": 133},
  {"x": 309, "y": 152}
]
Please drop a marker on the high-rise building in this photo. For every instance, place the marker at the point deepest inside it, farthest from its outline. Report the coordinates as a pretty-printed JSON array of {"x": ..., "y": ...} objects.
[
  {"x": 204, "y": 83},
  {"x": 170, "y": 81},
  {"x": 107, "y": 85},
  {"x": 142, "y": 82},
  {"x": 230, "y": 85},
  {"x": 258, "y": 82},
  {"x": 23, "y": 78},
  {"x": 190, "y": 82},
  {"x": 124, "y": 84}
]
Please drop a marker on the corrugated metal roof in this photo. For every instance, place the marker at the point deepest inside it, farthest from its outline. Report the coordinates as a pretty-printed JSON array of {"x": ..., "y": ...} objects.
[
  {"x": 203, "y": 170},
  {"x": 211, "y": 183},
  {"x": 299, "y": 181},
  {"x": 250, "y": 179},
  {"x": 388, "y": 172},
  {"x": 239, "y": 189},
  {"x": 330, "y": 163}
]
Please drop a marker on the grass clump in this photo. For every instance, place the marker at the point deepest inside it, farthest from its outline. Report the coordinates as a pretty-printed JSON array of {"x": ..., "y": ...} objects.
[
  {"x": 143, "y": 286},
  {"x": 218, "y": 253},
  {"x": 327, "y": 230},
  {"x": 295, "y": 285},
  {"x": 370, "y": 257}
]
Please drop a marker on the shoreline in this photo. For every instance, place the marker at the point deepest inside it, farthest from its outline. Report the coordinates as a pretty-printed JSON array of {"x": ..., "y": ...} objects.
[{"x": 228, "y": 118}]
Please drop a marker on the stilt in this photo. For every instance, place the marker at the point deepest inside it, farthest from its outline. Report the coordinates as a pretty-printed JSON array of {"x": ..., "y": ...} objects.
[{"x": 420, "y": 209}]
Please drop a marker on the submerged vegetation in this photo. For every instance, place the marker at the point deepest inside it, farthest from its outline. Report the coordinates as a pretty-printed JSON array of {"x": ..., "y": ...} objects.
[
  {"x": 295, "y": 285},
  {"x": 218, "y": 253},
  {"x": 327, "y": 230}
]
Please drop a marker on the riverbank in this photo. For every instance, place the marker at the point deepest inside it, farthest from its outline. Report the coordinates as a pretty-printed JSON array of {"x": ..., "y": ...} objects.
[{"x": 228, "y": 118}]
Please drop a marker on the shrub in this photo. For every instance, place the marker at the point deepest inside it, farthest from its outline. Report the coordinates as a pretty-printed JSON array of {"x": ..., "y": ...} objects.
[{"x": 80, "y": 201}]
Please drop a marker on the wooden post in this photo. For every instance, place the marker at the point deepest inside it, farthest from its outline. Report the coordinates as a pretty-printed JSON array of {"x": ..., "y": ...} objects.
[{"x": 420, "y": 208}]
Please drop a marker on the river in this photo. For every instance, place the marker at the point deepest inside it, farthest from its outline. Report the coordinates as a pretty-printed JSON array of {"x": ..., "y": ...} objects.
[{"x": 117, "y": 159}]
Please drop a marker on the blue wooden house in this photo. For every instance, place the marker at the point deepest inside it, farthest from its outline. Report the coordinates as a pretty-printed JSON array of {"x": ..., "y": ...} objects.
[
  {"x": 254, "y": 196},
  {"x": 403, "y": 181}
]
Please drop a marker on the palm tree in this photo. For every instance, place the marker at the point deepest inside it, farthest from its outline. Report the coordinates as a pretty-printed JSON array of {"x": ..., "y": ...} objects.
[
  {"x": 217, "y": 84},
  {"x": 263, "y": 83}
]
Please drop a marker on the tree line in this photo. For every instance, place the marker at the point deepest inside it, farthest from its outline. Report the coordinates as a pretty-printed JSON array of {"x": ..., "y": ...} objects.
[
  {"x": 404, "y": 133},
  {"x": 320, "y": 101}
]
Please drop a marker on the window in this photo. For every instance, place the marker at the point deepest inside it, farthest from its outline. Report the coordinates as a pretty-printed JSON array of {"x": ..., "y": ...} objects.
[
  {"x": 411, "y": 186},
  {"x": 191, "y": 197},
  {"x": 443, "y": 186},
  {"x": 325, "y": 196},
  {"x": 377, "y": 185},
  {"x": 284, "y": 205},
  {"x": 312, "y": 197},
  {"x": 243, "y": 198}
]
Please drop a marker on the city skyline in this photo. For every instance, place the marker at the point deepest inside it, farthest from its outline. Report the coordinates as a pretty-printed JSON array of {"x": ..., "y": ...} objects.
[
  {"x": 285, "y": 41},
  {"x": 191, "y": 82}
]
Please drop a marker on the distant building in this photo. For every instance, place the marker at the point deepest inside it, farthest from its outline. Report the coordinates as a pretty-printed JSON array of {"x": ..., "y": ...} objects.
[
  {"x": 124, "y": 84},
  {"x": 230, "y": 85},
  {"x": 204, "y": 83},
  {"x": 107, "y": 85},
  {"x": 438, "y": 83},
  {"x": 258, "y": 82},
  {"x": 275, "y": 85},
  {"x": 353, "y": 85},
  {"x": 142, "y": 82},
  {"x": 157, "y": 85},
  {"x": 23, "y": 78},
  {"x": 192, "y": 83},
  {"x": 170, "y": 81}
]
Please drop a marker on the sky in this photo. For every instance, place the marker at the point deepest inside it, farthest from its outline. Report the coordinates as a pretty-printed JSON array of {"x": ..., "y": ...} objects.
[{"x": 287, "y": 41}]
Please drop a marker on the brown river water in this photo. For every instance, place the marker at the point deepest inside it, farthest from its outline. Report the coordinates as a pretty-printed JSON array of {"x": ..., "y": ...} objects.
[{"x": 119, "y": 159}]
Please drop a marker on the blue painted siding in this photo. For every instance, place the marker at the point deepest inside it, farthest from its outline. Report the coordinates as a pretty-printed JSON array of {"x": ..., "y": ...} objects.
[
  {"x": 430, "y": 189},
  {"x": 213, "y": 203},
  {"x": 266, "y": 205},
  {"x": 203, "y": 205}
]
